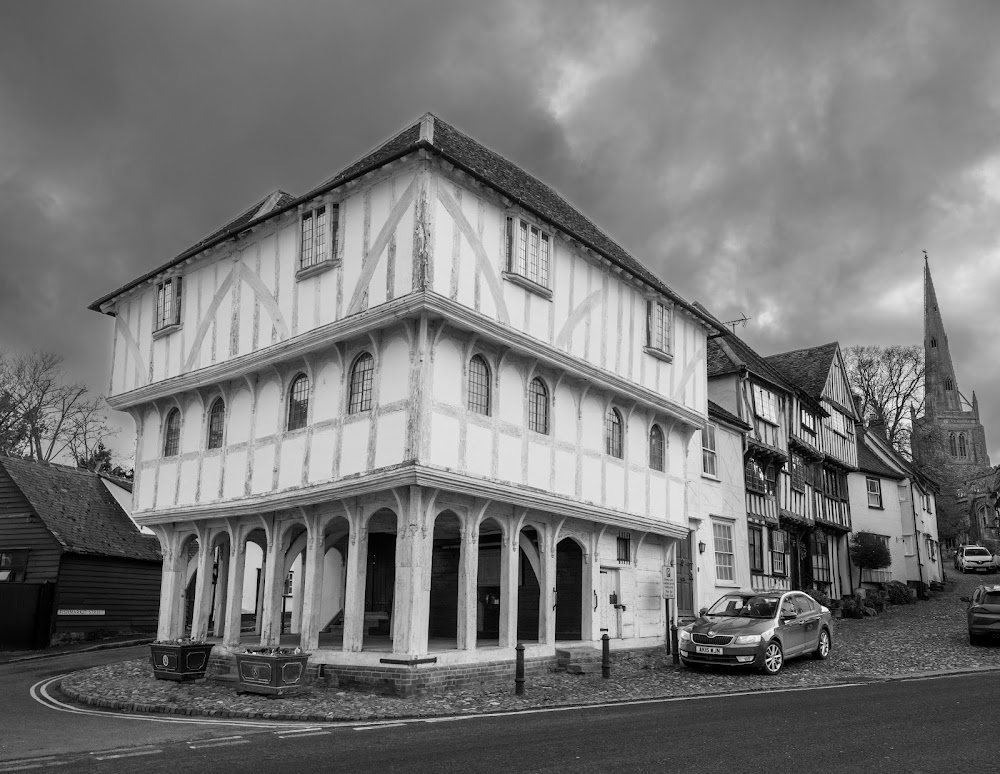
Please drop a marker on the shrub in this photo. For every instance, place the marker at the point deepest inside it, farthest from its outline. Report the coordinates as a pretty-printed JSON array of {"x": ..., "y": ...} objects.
[
  {"x": 820, "y": 596},
  {"x": 869, "y": 552},
  {"x": 898, "y": 593}
]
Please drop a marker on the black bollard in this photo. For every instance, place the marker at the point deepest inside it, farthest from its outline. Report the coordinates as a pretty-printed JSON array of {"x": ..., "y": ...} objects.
[
  {"x": 519, "y": 671},
  {"x": 673, "y": 644},
  {"x": 605, "y": 657}
]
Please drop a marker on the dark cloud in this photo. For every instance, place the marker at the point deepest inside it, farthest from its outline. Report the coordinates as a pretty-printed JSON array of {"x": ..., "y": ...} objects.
[{"x": 786, "y": 160}]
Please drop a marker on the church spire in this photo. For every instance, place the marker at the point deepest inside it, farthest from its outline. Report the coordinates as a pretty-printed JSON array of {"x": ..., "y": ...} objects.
[{"x": 940, "y": 385}]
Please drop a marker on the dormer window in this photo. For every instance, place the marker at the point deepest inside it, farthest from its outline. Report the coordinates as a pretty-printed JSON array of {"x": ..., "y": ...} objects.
[
  {"x": 168, "y": 304},
  {"x": 529, "y": 251},
  {"x": 319, "y": 235}
]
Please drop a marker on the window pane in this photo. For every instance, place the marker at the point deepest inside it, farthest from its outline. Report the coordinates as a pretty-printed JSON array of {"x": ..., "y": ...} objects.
[
  {"x": 538, "y": 407},
  {"x": 613, "y": 433},
  {"x": 216, "y": 424},
  {"x": 172, "y": 434},
  {"x": 319, "y": 238},
  {"x": 543, "y": 276},
  {"x": 522, "y": 249},
  {"x": 298, "y": 403},
  {"x": 656, "y": 450},
  {"x": 725, "y": 569},
  {"x": 533, "y": 255},
  {"x": 306, "y": 257},
  {"x": 479, "y": 386},
  {"x": 362, "y": 378}
]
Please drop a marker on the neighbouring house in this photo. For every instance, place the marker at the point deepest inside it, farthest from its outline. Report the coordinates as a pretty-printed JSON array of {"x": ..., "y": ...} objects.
[
  {"x": 72, "y": 563},
  {"x": 891, "y": 499},
  {"x": 718, "y": 513},
  {"x": 461, "y": 410}
]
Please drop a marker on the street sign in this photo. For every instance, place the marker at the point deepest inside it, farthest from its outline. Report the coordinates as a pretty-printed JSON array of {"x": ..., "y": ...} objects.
[{"x": 669, "y": 582}]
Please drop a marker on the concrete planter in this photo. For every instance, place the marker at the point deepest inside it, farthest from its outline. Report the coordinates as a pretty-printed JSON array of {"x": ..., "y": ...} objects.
[
  {"x": 179, "y": 660},
  {"x": 272, "y": 674}
]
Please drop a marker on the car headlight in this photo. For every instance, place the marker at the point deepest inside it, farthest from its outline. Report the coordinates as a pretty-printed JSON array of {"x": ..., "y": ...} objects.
[
  {"x": 683, "y": 635},
  {"x": 747, "y": 639}
]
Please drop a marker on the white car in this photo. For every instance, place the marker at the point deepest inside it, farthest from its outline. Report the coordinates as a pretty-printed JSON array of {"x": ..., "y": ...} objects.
[{"x": 975, "y": 559}]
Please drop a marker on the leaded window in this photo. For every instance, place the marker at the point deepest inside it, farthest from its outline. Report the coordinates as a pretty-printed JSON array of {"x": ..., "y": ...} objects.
[
  {"x": 168, "y": 303},
  {"x": 216, "y": 424},
  {"x": 725, "y": 558},
  {"x": 319, "y": 235},
  {"x": 172, "y": 434},
  {"x": 613, "y": 433},
  {"x": 658, "y": 326},
  {"x": 479, "y": 386},
  {"x": 874, "y": 492},
  {"x": 656, "y": 449},
  {"x": 538, "y": 406},
  {"x": 755, "y": 540},
  {"x": 709, "y": 452},
  {"x": 798, "y": 473},
  {"x": 952, "y": 445},
  {"x": 362, "y": 384},
  {"x": 963, "y": 448},
  {"x": 779, "y": 545},
  {"x": 528, "y": 251},
  {"x": 298, "y": 403}
]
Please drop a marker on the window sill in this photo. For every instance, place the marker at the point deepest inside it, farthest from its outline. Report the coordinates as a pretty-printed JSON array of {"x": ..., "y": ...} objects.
[
  {"x": 728, "y": 584},
  {"x": 527, "y": 284},
  {"x": 316, "y": 268},
  {"x": 659, "y": 354},
  {"x": 875, "y": 507},
  {"x": 166, "y": 330},
  {"x": 710, "y": 477}
]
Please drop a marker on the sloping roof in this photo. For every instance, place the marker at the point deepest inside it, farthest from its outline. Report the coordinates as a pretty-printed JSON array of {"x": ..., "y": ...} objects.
[
  {"x": 442, "y": 139},
  {"x": 79, "y": 510},
  {"x": 732, "y": 349},
  {"x": 806, "y": 368},
  {"x": 869, "y": 462},
  {"x": 715, "y": 411}
]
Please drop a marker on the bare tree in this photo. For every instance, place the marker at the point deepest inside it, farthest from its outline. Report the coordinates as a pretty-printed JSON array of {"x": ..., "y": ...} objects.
[{"x": 890, "y": 381}]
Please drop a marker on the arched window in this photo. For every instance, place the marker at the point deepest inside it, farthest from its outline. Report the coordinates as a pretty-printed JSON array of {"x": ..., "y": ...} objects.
[
  {"x": 298, "y": 402},
  {"x": 753, "y": 477},
  {"x": 947, "y": 384},
  {"x": 952, "y": 446},
  {"x": 656, "y": 461},
  {"x": 963, "y": 449},
  {"x": 933, "y": 343},
  {"x": 172, "y": 434},
  {"x": 216, "y": 424},
  {"x": 538, "y": 406},
  {"x": 362, "y": 379},
  {"x": 613, "y": 433},
  {"x": 479, "y": 386}
]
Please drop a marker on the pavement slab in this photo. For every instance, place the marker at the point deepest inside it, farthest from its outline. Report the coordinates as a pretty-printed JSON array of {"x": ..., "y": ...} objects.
[{"x": 925, "y": 638}]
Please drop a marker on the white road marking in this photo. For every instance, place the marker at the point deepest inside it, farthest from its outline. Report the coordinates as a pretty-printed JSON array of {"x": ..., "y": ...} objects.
[
  {"x": 299, "y": 730},
  {"x": 126, "y": 755},
  {"x": 30, "y": 763},
  {"x": 297, "y": 736},
  {"x": 380, "y": 725},
  {"x": 225, "y": 743}
]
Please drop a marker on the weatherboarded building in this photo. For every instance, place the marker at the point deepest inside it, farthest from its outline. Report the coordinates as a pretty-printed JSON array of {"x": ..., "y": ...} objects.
[
  {"x": 72, "y": 563},
  {"x": 437, "y": 387}
]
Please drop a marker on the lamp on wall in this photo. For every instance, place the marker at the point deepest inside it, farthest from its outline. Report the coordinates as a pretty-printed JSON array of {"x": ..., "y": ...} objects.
[{"x": 701, "y": 546}]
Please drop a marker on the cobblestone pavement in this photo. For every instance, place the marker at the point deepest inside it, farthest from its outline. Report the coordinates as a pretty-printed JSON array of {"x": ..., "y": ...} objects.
[{"x": 927, "y": 636}]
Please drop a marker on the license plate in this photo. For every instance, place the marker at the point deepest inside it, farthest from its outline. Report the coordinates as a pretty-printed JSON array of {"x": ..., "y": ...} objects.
[{"x": 707, "y": 650}]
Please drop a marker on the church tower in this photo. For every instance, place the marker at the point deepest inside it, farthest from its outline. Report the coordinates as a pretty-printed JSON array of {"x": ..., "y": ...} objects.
[{"x": 949, "y": 436}]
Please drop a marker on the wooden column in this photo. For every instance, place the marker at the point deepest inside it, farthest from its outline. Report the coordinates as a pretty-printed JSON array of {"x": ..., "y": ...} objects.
[
  {"x": 468, "y": 586},
  {"x": 411, "y": 599},
  {"x": 589, "y": 591},
  {"x": 311, "y": 590},
  {"x": 234, "y": 587},
  {"x": 510, "y": 558},
  {"x": 221, "y": 590},
  {"x": 203, "y": 584},
  {"x": 354, "y": 587},
  {"x": 270, "y": 632},
  {"x": 171, "y": 621},
  {"x": 547, "y": 598}
]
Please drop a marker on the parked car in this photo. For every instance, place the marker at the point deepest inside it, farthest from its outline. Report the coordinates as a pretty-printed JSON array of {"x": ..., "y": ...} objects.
[
  {"x": 758, "y": 631},
  {"x": 974, "y": 559},
  {"x": 984, "y": 613}
]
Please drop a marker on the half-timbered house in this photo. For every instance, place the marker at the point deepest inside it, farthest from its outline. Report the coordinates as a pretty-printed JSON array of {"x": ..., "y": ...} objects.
[{"x": 463, "y": 409}]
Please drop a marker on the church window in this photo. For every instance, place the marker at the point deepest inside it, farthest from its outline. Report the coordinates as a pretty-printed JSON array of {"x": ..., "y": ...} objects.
[
  {"x": 963, "y": 449},
  {"x": 948, "y": 384},
  {"x": 298, "y": 403},
  {"x": 362, "y": 384},
  {"x": 479, "y": 386},
  {"x": 933, "y": 343},
  {"x": 172, "y": 434},
  {"x": 614, "y": 434},
  {"x": 216, "y": 424},
  {"x": 952, "y": 445}
]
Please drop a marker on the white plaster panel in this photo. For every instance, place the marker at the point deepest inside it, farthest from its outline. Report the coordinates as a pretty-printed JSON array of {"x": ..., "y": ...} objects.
[
  {"x": 565, "y": 472},
  {"x": 592, "y": 417},
  {"x": 238, "y": 422},
  {"x": 354, "y": 457},
  {"x": 394, "y": 381},
  {"x": 403, "y": 274},
  {"x": 637, "y": 492},
  {"x": 235, "y": 476},
  {"x": 287, "y": 262},
  {"x": 515, "y": 297},
  {"x": 219, "y": 332},
  {"x": 306, "y": 290},
  {"x": 511, "y": 398},
  {"x": 327, "y": 395},
  {"x": 467, "y": 264},
  {"x": 564, "y": 415},
  {"x": 479, "y": 450},
  {"x": 211, "y": 471},
  {"x": 353, "y": 236},
  {"x": 539, "y": 465},
  {"x": 509, "y": 468},
  {"x": 166, "y": 484},
  {"x": 636, "y": 438},
  {"x": 247, "y": 298},
  {"x": 293, "y": 450},
  {"x": 150, "y": 437},
  {"x": 263, "y": 469},
  {"x": 592, "y": 479},
  {"x": 539, "y": 318},
  {"x": 327, "y": 295},
  {"x": 268, "y": 410},
  {"x": 615, "y": 485},
  {"x": 391, "y": 445},
  {"x": 188, "y": 488},
  {"x": 321, "y": 455},
  {"x": 447, "y": 372},
  {"x": 443, "y": 225},
  {"x": 145, "y": 489},
  {"x": 657, "y": 508},
  {"x": 191, "y": 421},
  {"x": 444, "y": 449}
]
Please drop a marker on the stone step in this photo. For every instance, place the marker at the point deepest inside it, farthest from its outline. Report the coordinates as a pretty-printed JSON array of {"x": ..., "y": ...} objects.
[{"x": 584, "y": 669}]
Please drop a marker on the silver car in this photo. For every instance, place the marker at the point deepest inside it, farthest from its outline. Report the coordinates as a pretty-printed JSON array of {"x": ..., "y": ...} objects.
[
  {"x": 747, "y": 629},
  {"x": 974, "y": 559}
]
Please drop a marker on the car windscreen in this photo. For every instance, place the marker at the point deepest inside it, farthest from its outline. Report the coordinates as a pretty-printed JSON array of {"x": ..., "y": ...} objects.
[
  {"x": 977, "y": 552},
  {"x": 991, "y": 598},
  {"x": 747, "y": 607}
]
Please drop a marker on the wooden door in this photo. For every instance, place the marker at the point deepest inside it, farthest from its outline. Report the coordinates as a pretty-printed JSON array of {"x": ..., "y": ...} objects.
[
  {"x": 608, "y": 603},
  {"x": 685, "y": 578}
]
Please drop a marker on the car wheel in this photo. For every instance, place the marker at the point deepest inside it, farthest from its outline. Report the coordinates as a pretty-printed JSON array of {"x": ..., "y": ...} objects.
[
  {"x": 975, "y": 639},
  {"x": 823, "y": 646},
  {"x": 774, "y": 659}
]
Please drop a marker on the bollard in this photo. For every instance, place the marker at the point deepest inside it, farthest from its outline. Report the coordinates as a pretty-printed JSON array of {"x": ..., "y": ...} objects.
[
  {"x": 519, "y": 671},
  {"x": 673, "y": 644},
  {"x": 605, "y": 657}
]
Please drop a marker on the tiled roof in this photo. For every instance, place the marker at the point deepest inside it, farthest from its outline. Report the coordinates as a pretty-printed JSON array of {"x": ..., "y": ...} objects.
[
  {"x": 869, "y": 462},
  {"x": 734, "y": 350},
  {"x": 715, "y": 411},
  {"x": 806, "y": 368},
  {"x": 79, "y": 510},
  {"x": 440, "y": 138}
]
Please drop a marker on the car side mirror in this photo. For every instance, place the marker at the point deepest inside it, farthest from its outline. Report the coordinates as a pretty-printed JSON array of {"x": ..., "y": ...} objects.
[
  {"x": 703, "y": 611},
  {"x": 788, "y": 616}
]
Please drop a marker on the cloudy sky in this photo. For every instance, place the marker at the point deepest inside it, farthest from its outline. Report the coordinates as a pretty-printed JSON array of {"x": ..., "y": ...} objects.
[{"x": 787, "y": 160}]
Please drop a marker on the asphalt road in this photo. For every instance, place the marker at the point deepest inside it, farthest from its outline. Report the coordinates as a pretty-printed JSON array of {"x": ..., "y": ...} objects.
[{"x": 913, "y": 726}]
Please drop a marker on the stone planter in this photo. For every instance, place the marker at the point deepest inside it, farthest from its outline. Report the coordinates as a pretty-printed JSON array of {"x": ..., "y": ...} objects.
[
  {"x": 179, "y": 660},
  {"x": 272, "y": 674}
]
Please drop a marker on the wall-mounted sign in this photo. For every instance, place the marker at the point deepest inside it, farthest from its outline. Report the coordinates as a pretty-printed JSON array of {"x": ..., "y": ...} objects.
[
  {"x": 78, "y": 611},
  {"x": 669, "y": 582}
]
